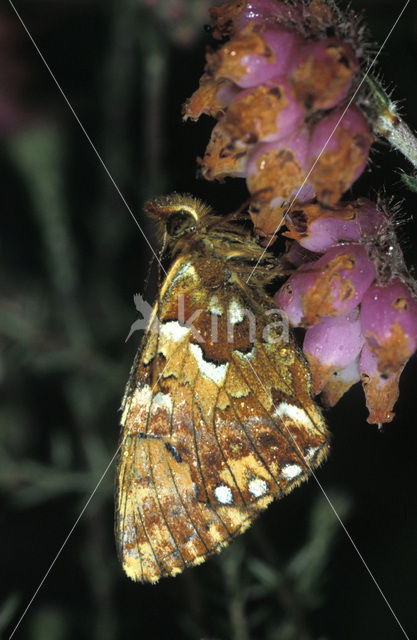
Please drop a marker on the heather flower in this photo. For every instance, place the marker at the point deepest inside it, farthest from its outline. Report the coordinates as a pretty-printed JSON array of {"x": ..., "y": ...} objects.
[
  {"x": 233, "y": 16},
  {"x": 289, "y": 297},
  {"x": 264, "y": 113},
  {"x": 316, "y": 228},
  {"x": 381, "y": 390},
  {"x": 314, "y": 19},
  {"x": 339, "y": 150},
  {"x": 389, "y": 324},
  {"x": 272, "y": 86},
  {"x": 339, "y": 383},
  {"x": 322, "y": 73},
  {"x": 279, "y": 86},
  {"x": 331, "y": 346},
  {"x": 361, "y": 319},
  {"x": 275, "y": 174},
  {"x": 211, "y": 98},
  {"x": 253, "y": 55},
  {"x": 224, "y": 157},
  {"x": 331, "y": 286}
]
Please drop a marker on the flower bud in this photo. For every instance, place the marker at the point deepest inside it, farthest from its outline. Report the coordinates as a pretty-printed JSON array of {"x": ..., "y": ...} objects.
[
  {"x": 254, "y": 55},
  {"x": 340, "y": 152},
  {"x": 266, "y": 112},
  {"x": 389, "y": 324},
  {"x": 338, "y": 383},
  {"x": 331, "y": 286},
  {"x": 289, "y": 296},
  {"x": 223, "y": 157},
  {"x": 275, "y": 174},
  {"x": 372, "y": 221},
  {"x": 322, "y": 73},
  {"x": 381, "y": 390},
  {"x": 331, "y": 346},
  {"x": 212, "y": 97},
  {"x": 233, "y": 16},
  {"x": 317, "y": 229}
]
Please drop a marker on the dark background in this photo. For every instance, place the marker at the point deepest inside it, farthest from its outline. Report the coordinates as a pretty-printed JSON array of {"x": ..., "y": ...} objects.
[{"x": 71, "y": 260}]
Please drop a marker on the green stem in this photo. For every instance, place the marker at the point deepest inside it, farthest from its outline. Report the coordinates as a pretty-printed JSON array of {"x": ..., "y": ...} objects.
[
  {"x": 38, "y": 154},
  {"x": 388, "y": 123}
]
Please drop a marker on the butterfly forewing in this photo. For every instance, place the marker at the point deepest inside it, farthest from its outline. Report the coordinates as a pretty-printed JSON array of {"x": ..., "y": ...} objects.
[{"x": 216, "y": 421}]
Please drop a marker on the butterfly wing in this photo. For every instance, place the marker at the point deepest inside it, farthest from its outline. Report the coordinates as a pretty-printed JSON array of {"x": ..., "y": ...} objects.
[{"x": 213, "y": 430}]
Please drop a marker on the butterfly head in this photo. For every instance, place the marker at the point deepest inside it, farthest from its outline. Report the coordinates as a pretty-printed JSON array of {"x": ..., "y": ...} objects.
[
  {"x": 177, "y": 215},
  {"x": 185, "y": 223}
]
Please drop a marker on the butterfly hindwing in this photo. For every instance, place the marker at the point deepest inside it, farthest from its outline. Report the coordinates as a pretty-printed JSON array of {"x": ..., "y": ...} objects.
[{"x": 217, "y": 420}]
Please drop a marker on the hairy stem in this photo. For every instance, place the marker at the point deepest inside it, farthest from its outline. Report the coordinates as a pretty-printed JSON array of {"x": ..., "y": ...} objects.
[{"x": 390, "y": 125}]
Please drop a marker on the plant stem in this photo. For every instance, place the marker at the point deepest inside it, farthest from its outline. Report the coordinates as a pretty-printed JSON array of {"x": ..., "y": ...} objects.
[{"x": 390, "y": 125}]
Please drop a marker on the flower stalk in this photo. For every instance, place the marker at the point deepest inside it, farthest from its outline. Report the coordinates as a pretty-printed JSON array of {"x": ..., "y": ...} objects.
[{"x": 388, "y": 123}]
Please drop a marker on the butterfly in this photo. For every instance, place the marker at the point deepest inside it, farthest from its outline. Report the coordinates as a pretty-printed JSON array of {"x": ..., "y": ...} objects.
[{"x": 217, "y": 416}]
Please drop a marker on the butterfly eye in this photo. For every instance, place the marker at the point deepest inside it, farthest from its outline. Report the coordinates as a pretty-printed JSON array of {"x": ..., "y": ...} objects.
[{"x": 179, "y": 222}]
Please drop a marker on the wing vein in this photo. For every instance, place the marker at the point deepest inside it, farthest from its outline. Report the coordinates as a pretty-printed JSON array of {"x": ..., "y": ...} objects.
[
  {"x": 222, "y": 452},
  {"x": 184, "y": 505},
  {"x": 160, "y": 504}
]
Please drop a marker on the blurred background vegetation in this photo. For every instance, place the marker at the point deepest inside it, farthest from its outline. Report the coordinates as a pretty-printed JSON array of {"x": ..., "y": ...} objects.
[{"x": 71, "y": 260}]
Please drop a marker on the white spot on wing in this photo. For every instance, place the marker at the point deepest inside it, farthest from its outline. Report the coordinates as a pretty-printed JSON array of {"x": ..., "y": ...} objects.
[
  {"x": 285, "y": 410},
  {"x": 215, "y": 307},
  {"x": 140, "y": 398},
  {"x": 291, "y": 471},
  {"x": 257, "y": 487},
  {"x": 236, "y": 313},
  {"x": 310, "y": 453},
  {"x": 187, "y": 268},
  {"x": 161, "y": 401},
  {"x": 215, "y": 372},
  {"x": 173, "y": 330},
  {"x": 250, "y": 355},
  {"x": 223, "y": 494}
]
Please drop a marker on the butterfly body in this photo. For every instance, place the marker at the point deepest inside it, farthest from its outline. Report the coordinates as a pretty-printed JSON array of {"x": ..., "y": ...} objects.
[{"x": 217, "y": 416}]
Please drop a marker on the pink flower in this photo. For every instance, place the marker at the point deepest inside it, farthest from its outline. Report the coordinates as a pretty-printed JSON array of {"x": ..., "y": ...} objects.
[
  {"x": 331, "y": 286},
  {"x": 289, "y": 296},
  {"x": 254, "y": 55},
  {"x": 322, "y": 73},
  {"x": 263, "y": 113},
  {"x": 275, "y": 174},
  {"x": 234, "y": 15},
  {"x": 223, "y": 157},
  {"x": 339, "y": 155},
  {"x": 212, "y": 98},
  {"x": 389, "y": 324},
  {"x": 339, "y": 383},
  {"x": 331, "y": 346},
  {"x": 381, "y": 391},
  {"x": 317, "y": 228}
]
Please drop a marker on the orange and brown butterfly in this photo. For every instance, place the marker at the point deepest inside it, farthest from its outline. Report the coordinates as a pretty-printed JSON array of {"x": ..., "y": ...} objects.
[{"x": 218, "y": 418}]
